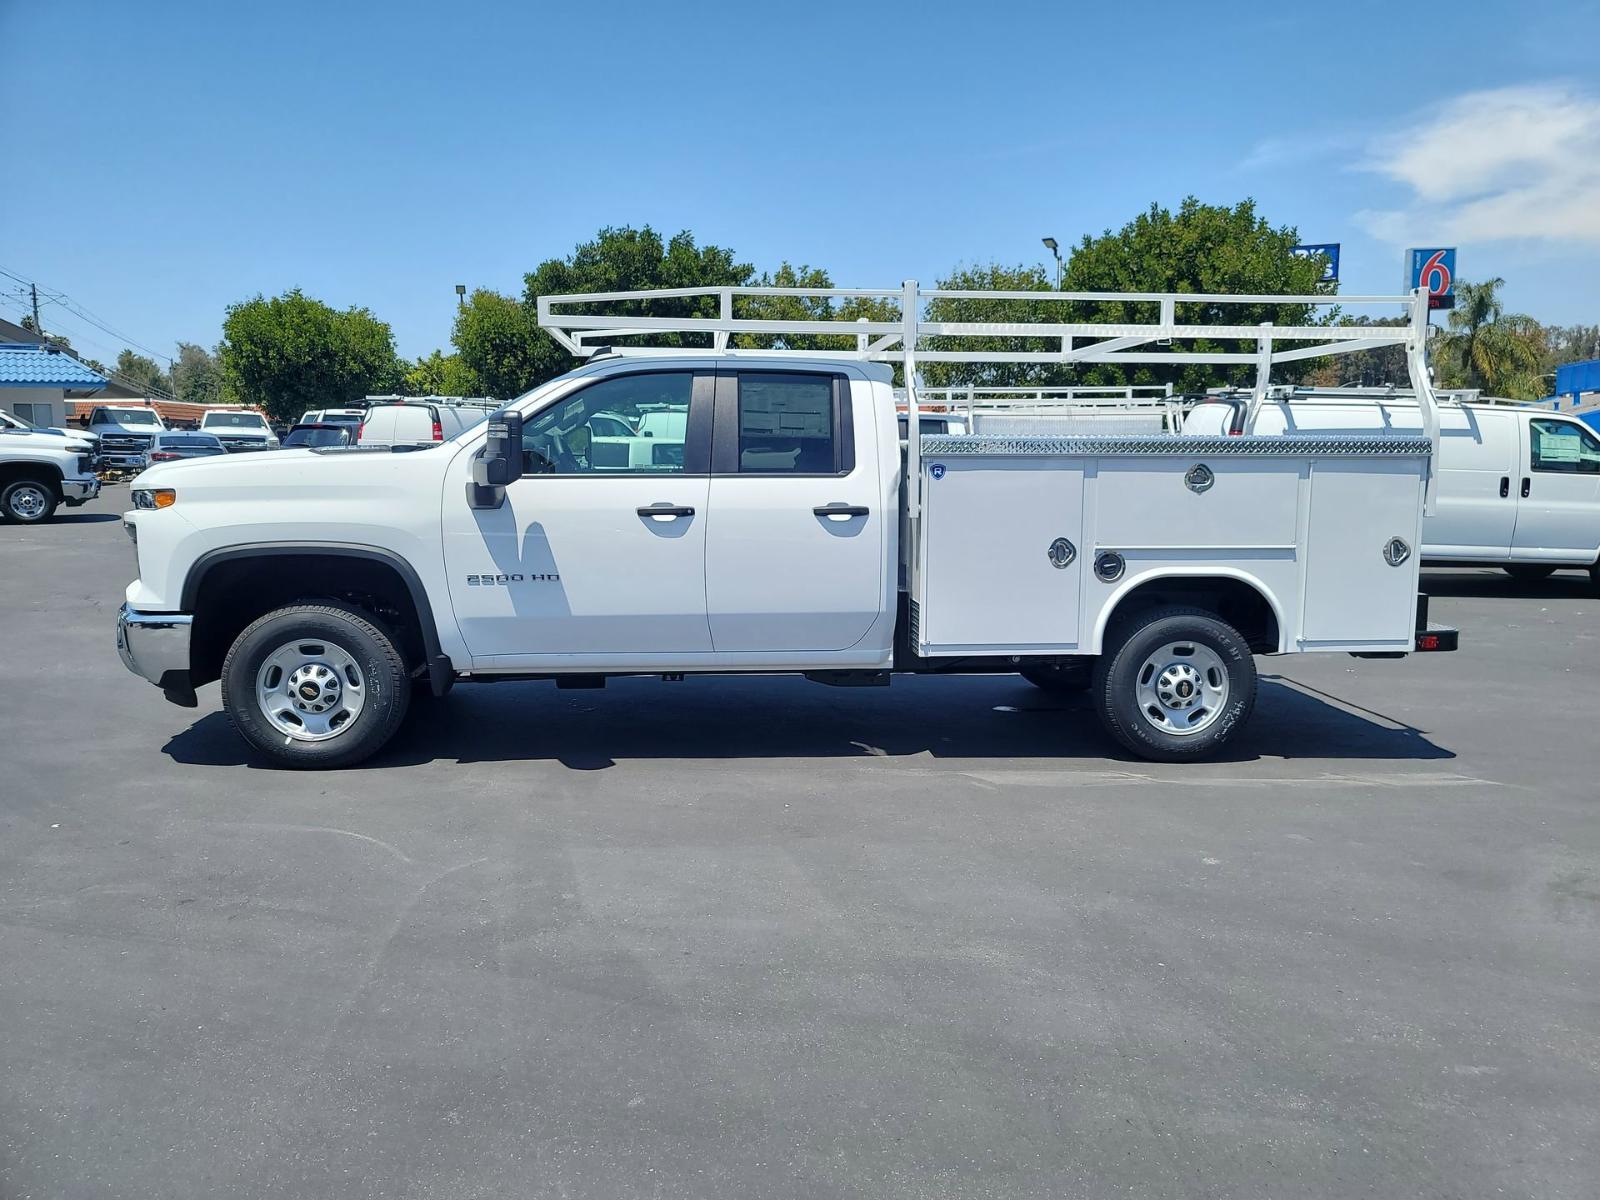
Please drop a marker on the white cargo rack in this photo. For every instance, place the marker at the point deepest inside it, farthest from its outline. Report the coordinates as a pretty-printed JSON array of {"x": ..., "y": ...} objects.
[
  {"x": 1139, "y": 408},
  {"x": 906, "y": 338}
]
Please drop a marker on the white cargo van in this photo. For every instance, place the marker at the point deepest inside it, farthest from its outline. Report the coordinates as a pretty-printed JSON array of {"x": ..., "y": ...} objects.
[
  {"x": 412, "y": 423},
  {"x": 1517, "y": 488}
]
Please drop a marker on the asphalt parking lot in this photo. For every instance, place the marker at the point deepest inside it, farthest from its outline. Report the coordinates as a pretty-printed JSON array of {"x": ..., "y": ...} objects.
[{"x": 763, "y": 938}]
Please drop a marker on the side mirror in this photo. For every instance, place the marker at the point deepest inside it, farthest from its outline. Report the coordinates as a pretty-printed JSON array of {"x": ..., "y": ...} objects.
[{"x": 501, "y": 460}]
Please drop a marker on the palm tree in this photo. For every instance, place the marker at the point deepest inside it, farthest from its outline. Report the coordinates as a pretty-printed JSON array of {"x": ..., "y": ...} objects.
[{"x": 1487, "y": 348}]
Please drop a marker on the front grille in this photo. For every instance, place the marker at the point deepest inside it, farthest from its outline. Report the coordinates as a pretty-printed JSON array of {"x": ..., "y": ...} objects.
[{"x": 124, "y": 443}]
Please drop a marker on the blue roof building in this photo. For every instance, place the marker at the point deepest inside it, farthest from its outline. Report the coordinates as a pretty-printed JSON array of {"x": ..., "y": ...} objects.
[{"x": 35, "y": 379}]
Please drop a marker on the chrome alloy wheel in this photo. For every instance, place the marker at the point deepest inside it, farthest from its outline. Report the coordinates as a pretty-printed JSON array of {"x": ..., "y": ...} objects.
[
  {"x": 28, "y": 501},
  {"x": 310, "y": 689},
  {"x": 1182, "y": 688}
]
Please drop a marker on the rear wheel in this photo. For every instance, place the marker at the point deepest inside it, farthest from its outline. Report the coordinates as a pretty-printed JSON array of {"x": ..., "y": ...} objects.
[
  {"x": 28, "y": 501},
  {"x": 315, "y": 685},
  {"x": 1175, "y": 684},
  {"x": 1062, "y": 679},
  {"x": 1528, "y": 573}
]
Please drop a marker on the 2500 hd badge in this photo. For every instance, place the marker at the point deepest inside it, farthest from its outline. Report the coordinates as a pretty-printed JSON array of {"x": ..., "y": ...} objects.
[{"x": 501, "y": 580}]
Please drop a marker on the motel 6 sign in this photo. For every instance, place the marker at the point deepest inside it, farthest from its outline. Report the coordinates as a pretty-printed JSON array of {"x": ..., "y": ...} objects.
[{"x": 1435, "y": 270}]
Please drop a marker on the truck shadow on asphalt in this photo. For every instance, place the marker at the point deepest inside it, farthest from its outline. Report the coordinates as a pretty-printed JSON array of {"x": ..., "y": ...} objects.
[
  {"x": 1492, "y": 585},
  {"x": 974, "y": 717}
]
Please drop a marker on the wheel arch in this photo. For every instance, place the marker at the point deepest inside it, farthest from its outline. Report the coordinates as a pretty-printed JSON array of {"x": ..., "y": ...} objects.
[
  {"x": 1232, "y": 594},
  {"x": 235, "y": 565}
]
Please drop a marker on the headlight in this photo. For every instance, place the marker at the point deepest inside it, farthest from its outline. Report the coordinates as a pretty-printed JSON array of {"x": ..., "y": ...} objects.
[{"x": 154, "y": 497}]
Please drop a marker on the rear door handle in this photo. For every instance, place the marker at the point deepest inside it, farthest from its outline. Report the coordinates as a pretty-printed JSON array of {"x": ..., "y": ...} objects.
[
  {"x": 665, "y": 512},
  {"x": 1505, "y": 486},
  {"x": 841, "y": 512},
  {"x": 1526, "y": 484}
]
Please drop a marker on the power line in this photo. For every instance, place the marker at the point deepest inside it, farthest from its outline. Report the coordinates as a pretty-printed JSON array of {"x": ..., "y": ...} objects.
[
  {"x": 72, "y": 306},
  {"x": 144, "y": 387}
]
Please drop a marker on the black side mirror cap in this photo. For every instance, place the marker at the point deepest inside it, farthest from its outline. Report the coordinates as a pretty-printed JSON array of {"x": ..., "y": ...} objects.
[{"x": 501, "y": 460}]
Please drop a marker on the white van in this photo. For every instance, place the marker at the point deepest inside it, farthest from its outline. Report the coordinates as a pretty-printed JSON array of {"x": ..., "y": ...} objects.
[
  {"x": 412, "y": 423},
  {"x": 1518, "y": 488}
]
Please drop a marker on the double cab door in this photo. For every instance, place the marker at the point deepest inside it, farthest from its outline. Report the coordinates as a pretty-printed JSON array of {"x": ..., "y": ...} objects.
[{"x": 674, "y": 517}]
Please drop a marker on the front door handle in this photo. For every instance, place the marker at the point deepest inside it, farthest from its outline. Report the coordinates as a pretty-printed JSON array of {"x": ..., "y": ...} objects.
[
  {"x": 1505, "y": 486},
  {"x": 663, "y": 511},
  {"x": 841, "y": 512},
  {"x": 1526, "y": 484}
]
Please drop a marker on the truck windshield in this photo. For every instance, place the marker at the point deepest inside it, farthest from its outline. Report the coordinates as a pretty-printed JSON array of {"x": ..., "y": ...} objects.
[
  {"x": 244, "y": 420},
  {"x": 132, "y": 416}
]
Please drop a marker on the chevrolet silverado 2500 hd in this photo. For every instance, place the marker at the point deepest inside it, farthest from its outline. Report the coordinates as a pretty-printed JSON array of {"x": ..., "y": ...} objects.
[{"x": 724, "y": 510}]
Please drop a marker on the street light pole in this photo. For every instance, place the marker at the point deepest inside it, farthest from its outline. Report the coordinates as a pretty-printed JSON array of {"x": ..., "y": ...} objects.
[
  {"x": 1051, "y": 245},
  {"x": 461, "y": 295}
]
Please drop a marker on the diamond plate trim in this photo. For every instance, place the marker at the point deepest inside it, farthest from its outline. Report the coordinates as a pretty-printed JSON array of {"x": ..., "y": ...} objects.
[{"x": 947, "y": 445}]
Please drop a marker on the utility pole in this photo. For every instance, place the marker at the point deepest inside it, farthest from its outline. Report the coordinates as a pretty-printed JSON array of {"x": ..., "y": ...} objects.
[{"x": 37, "y": 328}]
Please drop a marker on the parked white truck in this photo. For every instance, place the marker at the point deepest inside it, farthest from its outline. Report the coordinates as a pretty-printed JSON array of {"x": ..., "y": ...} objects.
[
  {"x": 660, "y": 512},
  {"x": 40, "y": 470}
]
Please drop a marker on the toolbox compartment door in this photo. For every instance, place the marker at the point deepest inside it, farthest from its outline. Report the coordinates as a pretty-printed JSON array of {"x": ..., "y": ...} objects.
[{"x": 989, "y": 581}]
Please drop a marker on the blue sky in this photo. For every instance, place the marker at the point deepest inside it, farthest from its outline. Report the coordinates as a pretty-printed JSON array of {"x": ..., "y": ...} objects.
[{"x": 162, "y": 160}]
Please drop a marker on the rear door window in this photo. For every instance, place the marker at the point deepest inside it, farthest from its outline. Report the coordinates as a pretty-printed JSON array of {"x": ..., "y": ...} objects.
[{"x": 783, "y": 423}]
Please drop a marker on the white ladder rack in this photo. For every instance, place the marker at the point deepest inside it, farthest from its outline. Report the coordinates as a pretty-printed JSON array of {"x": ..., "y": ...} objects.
[{"x": 905, "y": 338}]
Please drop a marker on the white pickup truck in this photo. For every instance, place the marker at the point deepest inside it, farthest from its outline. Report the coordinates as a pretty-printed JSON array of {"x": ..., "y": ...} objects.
[
  {"x": 41, "y": 469},
  {"x": 660, "y": 512}
]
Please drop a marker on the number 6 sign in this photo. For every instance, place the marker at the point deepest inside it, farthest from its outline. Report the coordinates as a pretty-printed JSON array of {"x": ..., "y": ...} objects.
[{"x": 1434, "y": 269}]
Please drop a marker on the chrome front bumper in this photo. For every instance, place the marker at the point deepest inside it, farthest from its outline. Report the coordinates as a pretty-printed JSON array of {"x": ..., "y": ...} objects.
[
  {"x": 76, "y": 491},
  {"x": 156, "y": 646}
]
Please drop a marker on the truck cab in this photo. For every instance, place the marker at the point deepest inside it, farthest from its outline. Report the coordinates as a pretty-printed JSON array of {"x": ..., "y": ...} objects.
[
  {"x": 239, "y": 429},
  {"x": 123, "y": 433}
]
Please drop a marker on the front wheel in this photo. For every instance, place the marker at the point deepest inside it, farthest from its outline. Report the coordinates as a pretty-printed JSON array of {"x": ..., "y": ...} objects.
[
  {"x": 1528, "y": 573},
  {"x": 1176, "y": 685},
  {"x": 315, "y": 685},
  {"x": 28, "y": 501}
]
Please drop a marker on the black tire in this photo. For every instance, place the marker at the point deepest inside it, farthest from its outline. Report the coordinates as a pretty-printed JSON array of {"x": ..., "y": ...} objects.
[
  {"x": 29, "y": 501},
  {"x": 380, "y": 668},
  {"x": 1061, "y": 679},
  {"x": 1528, "y": 573},
  {"x": 1116, "y": 683}
]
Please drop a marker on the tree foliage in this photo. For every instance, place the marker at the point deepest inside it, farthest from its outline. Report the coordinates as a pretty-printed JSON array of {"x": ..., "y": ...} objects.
[
  {"x": 806, "y": 308},
  {"x": 500, "y": 340},
  {"x": 1487, "y": 348},
  {"x": 141, "y": 372},
  {"x": 441, "y": 374},
  {"x": 1202, "y": 248},
  {"x": 292, "y": 352},
  {"x": 995, "y": 277},
  {"x": 196, "y": 375}
]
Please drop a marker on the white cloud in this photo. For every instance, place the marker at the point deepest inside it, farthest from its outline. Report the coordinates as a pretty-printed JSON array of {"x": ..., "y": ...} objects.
[{"x": 1513, "y": 163}]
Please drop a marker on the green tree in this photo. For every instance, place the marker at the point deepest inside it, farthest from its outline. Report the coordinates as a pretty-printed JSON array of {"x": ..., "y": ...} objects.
[
  {"x": 806, "y": 308},
  {"x": 995, "y": 277},
  {"x": 1202, "y": 248},
  {"x": 508, "y": 351},
  {"x": 145, "y": 374},
  {"x": 499, "y": 341},
  {"x": 441, "y": 374},
  {"x": 1487, "y": 348},
  {"x": 291, "y": 353},
  {"x": 196, "y": 375}
]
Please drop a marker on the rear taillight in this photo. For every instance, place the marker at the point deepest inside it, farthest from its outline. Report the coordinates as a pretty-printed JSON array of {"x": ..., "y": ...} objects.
[
  {"x": 438, "y": 430},
  {"x": 162, "y": 456},
  {"x": 360, "y": 429}
]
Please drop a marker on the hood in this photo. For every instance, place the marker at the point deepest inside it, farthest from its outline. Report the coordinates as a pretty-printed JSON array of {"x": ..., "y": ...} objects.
[
  {"x": 296, "y": 467},
  {"x": 44, "y": 438}
]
